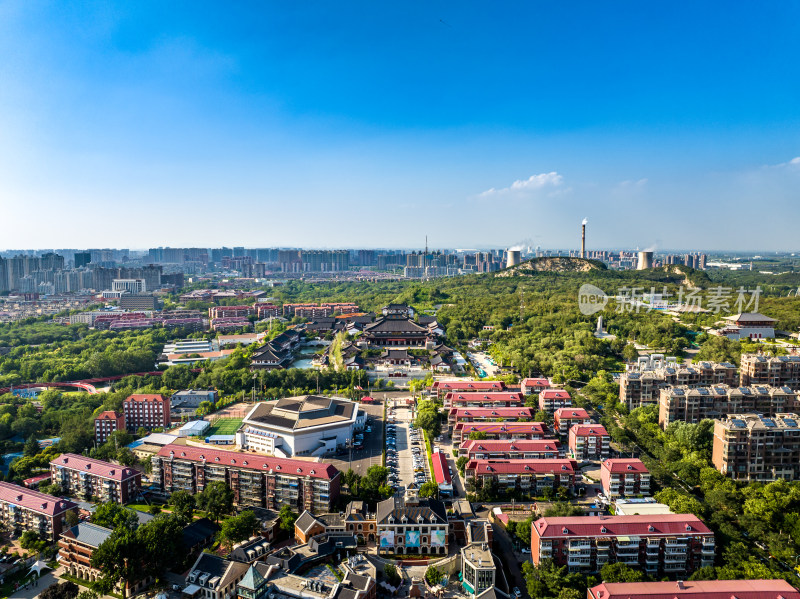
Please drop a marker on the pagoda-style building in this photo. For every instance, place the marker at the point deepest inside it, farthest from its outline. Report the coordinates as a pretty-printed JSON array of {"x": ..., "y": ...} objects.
[{"x": 397, "y": 329}]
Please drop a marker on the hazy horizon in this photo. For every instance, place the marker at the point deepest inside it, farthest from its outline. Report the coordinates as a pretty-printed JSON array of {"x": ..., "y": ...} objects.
[{"x": 371, "y": 125}]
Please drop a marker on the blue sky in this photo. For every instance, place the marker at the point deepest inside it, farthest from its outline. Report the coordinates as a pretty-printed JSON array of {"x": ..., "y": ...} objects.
[{"x": 372, "y": 124}]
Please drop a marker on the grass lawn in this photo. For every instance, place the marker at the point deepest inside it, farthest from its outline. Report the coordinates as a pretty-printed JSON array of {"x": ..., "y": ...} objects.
[{"x": 224, "y": 426}]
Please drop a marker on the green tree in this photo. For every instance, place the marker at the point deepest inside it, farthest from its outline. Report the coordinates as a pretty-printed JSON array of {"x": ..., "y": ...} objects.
[
  {"x": 429, "y": 489},
  {"x": 461, "y": 464},
  {"x": 238, "y": 528},
  {"x": 390, "y": 571},
  {"x": 287, "y": 518},
  {"x": 216, "y": 499},
  {"x": 563, "y": 509},
  {"x": 477, "y": 436},
  {"x": 183, "y": 505},
  {"x": 31, "y": 446},
  {"x": 619, "y": 572},
  {"x": 31, "y": 541},
  {"x": 114, "y": 516}
]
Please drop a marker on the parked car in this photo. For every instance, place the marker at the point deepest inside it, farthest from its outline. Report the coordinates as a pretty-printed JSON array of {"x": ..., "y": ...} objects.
[{"x": 517, "y": 592}]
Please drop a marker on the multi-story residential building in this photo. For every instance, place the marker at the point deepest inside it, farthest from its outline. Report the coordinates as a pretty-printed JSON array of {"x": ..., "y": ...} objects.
[
  {"x": 306, "y": 425},
  {"x": 264, "y": 310},
  {"x": 412, "y": 525},
  {"x": 230, "y": 311},
  {"x": 641, "y": 385},
  {"x": 752, "y": 447},
  {"x": 695, "y": 589},
  {"x": 589, "y": 442},
  {"x": 25, "y": 509},
  {"x": 517, "y": 449},
  {"x": 530, "y": 477},
  {"x": 686, "y": 404},
  {"x": 148, "y": 411},
  {"x": 106, "y": 423},
  {"x": 192, "y": 398},
  {"x": 256, "y": 481},
  {"x": 85, "y": 477},
  {"x": 483, "y": 400},
  {"x": 457, "y": 415},
  {"x": 499, "y": 430},
  {"x": 664, "y": 544},
  {"x": 624, "y": 477},
  {"x": 442, "y": 388},
  {"x": 778, "y": 371},
  {"x": 477, "y": 569},
  {"x": 551, "y": 400},
  {"x": 564, "y": 418},
  {"x": 530, "y": 386}
]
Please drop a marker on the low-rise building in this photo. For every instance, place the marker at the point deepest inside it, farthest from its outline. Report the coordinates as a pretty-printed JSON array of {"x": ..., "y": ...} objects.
[
  {"x": 624, "y": 477},
  {"x": 589, "y": 442},
  {"x": 551, "y": 400},
  {"x": 86, "y": 477},
  {"x": 530, "y": 477},
  {"x": 695, "y": 589},
  {"x": 752, "y": 447},
  {"x": 499, "y": 430},
  {"x": 502, "y": 399},
  {"x": 477, "y": 569},
  {"x": 518, "y": 414},
  {"x": 516, "y": 449},
  {"x": 669, "y": 544},
  {"x": 442, "y": 388},
  {"x": 360, "y": 522},
  {"x": 441, "y": 473},
  {"x": 256, "y": 481},
  {"x": 564, "y": 418},
  {"x": 748, "y": 325},
  {"x": 214, "y": 577},
  {"x": 411, "y": 525},
  {"x": 192, "y": 398},
  {"x": 106, "y": 423},
  {"x": 534, "y": 385},
  {"x": 24, "y": 509}
]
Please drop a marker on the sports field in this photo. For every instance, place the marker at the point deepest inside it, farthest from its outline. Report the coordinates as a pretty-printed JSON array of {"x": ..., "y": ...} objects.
[{"x": 224, "y": 426}]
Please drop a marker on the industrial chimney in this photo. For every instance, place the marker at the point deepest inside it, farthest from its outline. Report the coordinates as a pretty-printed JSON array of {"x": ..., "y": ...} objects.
[
  {"x": 583, "y": 239},
  {"x": 645, "y": 260},
  {"x": 514, "y": 258}
]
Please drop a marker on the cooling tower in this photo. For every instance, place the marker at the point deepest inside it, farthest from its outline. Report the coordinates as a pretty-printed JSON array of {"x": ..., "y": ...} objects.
[
  {"x": 514, "y": 258},
  {"x": 645, "y": 260}
]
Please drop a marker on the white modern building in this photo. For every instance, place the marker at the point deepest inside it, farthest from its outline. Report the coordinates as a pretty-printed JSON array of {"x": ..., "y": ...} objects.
[
  {"x": 195, "y": 428},
  {"x": 310, "y": 425}
]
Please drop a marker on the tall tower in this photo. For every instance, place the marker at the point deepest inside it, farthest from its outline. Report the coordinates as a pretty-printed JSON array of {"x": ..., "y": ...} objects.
[{"x": 583, "y": 239}]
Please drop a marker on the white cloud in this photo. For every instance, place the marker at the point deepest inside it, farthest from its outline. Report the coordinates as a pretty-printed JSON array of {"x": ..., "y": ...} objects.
[
  {"x": 792, "y": 164},
  {"x": 631, "y": 184},
  {"x": 533, "y": 183}
]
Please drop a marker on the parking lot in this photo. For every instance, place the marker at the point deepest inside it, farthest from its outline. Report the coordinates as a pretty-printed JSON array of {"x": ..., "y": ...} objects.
[
  {"x": 409, "y": 453},
  {"x": 372, "y": 453}
]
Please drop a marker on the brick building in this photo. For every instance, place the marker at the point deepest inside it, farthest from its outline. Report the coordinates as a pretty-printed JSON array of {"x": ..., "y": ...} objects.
[
  {"x": 106, "y": 423},
  {"x": 85, "y": 477},
  {"x": 666, "y": 544},
  {"x": 778, "y": 371},
  {"x": 146, "y": 411},
  {"x": 564, "y": 418},
  {"x": 530, "y": 477},
  {"x": 589, "y": 442},
  {"x": 256, "y": 481},
  {"x": 499, "y": 430},
  {"x": 457, "y": 415},
  {"x": 532, "y": 385},
  {"x": 551, "y": 400},
  {"x": 442, "y": 388},
  {"x": 25, "y": 509},
  {"x": 483, "y": 400},
  {"x": 624, "y": 477},
  {"x": 517, "y": 449}
]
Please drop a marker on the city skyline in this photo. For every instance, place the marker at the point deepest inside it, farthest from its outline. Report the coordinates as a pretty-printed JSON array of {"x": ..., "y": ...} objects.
[{"x": 267, "y": 125}]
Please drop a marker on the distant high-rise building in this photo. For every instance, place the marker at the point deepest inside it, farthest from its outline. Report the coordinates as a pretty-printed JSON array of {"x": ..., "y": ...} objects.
[{"x": 82, "y": 259}]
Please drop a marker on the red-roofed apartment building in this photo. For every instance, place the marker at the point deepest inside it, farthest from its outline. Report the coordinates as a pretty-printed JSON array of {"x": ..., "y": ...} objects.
[
  {"x": 256, "y": 480},
  {"x": 695, "y": 589},
  {"x": 566, "y": 417},
  {"x": 26, "y": 509},
  {"x": 146, "y": 411},
  {"x": 518, "y": 449},
  {"x": 441, "y": 473},
  {"x": 457, "y": 415},
  {"x": 664, "y": 544},
  {"x": 499, "y": 430},
  {"x": 106, "y": 423},
  {"x": 442, "y": 388},
  {"x": 589, "y": 442},
  {"x": 551, "y": 400},
  {"x": 483, "y": 400},
  {"x": 624, "y": 477},
  {"x": 86, "y": 477},
  {"x": 529, "y": 476},
  {"x": 529, "y": 386}
]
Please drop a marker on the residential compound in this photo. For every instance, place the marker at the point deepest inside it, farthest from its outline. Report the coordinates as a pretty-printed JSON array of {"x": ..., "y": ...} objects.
[
  {"x": 24, "y": 509},
  {"x": 442, "y": 388},
  {"x": 517, "y": 449},
  {"x": 687, "y": 404},
  {"x": 564, "y": 418},
  {"x": 695, "y": 589},
  {"x": 411, "y": 525},
  {"x": 530, "y": 386},
  {"x": 483, "y": 400},
  {"x": 256, "y": 481},
  {"x": 753, "y": 447},
  {"x": 624, "y": 477},
  {"x": 146, "y": 411},
  {"x": 306, "y": 425},
  {"x": 86, "y": 477},
  {"x": 531, "y": 477},
  {"x": 667, "y": 544},
  {"x": 106, "y": 423},
  {"x": 642, "y": 383},
  {"x": 519, "y": 414},
  {"x": 589, "y": 442}
]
